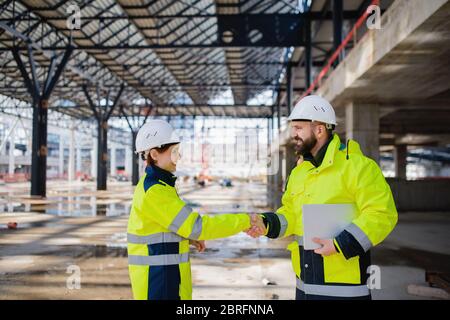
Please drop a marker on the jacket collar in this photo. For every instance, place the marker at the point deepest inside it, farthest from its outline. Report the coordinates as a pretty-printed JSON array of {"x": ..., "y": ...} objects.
[
  {"x": 318, "y": 159},
  {"x": 160, "y": 174},
  {"x": 350, "y": 148},
  {"x": 333, "y": 147},
  {"x": 329, "y": 151}
]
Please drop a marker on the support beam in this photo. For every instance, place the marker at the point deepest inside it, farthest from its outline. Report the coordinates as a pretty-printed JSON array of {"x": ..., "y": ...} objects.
[
  {"x": 308, "y": 56},
  {"x": 102, "y": 117},
  {"x": 128, "y": 161},
  {"x": 40, "y": 95},
  {"x": 400, "y": 154},
  {"x": 134, "y": 125},
  {"x": 113, "y": 162},
  {"x": 289, "y": 86},
  {"x": 291, "y": 158},
  {"x": 279, "y": 117},
  {"x": 135, "y": 160},
  {"x": 12, "y": 146},
  {"x": 338, "y": 19},
  {"x": 102, "y": 154},
  {"x": 61, "y": 157},
  {"x": 363, "y": 125},
  {"x": 79, "y": 160},
  {"x": 94, "y": 157},
  {"x": 71, "y": 169}
]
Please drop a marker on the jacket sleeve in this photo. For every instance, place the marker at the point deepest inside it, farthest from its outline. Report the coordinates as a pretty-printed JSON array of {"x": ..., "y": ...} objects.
[
  {"x": 378, "y": 214},
  {"x": 172, "y": 213},
  {"x": 282, "y": 222}
]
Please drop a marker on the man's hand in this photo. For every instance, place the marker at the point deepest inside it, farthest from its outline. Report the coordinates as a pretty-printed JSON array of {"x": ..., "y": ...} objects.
[
  {"x": 327, "y": 247},
  {"x": 199, "y": 244},
  {"x": 257, "y": 228}
]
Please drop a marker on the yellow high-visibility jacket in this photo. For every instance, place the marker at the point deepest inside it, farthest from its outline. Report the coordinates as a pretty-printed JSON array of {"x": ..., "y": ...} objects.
[
  {"x": 344, "y": 176},
  {"x": 159, "y": 228}
]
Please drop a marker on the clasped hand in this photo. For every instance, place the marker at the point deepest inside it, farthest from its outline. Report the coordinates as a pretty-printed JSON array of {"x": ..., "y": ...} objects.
[{"x": 257, "y": 227}]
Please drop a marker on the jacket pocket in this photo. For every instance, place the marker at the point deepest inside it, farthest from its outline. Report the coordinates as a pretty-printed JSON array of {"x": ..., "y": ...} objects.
[
  {"x": 337, "y": 269},
  {"x": 295, "y": 257}
]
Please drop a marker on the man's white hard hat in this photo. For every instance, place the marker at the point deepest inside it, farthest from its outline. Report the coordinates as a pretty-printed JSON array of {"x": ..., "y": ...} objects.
[
  {"x": 314, "y": 108},
  {"x": 154, "y": 134}
]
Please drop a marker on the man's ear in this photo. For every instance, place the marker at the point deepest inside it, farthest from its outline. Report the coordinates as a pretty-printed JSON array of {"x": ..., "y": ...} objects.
[{"x": 320, "y": 130}]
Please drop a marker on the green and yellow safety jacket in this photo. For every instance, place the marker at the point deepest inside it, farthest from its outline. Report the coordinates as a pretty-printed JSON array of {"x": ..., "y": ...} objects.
[
  {"x": 344, "y": 175},
  {"x": 159, "y": 228}
]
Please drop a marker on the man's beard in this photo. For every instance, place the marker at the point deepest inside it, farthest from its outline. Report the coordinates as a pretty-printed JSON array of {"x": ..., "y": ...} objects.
[{"x": 305, "y": 146}]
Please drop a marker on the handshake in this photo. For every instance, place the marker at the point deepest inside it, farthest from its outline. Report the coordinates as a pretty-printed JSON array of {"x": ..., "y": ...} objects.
[{"x": 257, "y": 227}]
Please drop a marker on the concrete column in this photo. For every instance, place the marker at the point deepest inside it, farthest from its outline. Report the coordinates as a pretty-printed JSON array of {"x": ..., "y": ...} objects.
[
  {"x": 280, "y": 178},
  {"x": 277, "y": 181},
  {"x": 113, "y": 163},
  {"x": 284, "y": 172},
  {"x": 61, "y": 156},
  {"x": 3, "y": 148},
  {"x": 400, "y": 154},
  {"x": 12, "y": 146},
  {"x": 291, "y": 159},
  {"x": 338, "y": 20},
  {"x": 94, "y": 151},
  {"x": 141, "y": 166},
  {"x": 78, "y": 160},
  {"x": 363, "y": 125},
  {"x": 71, "y": 170},
  {"x": 128, "y": 161}
]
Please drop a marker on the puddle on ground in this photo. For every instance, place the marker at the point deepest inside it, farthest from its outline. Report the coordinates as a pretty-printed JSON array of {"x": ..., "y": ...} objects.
[
  {"x": 241, "y": 253},
  {"x": 36, "y": 224},
  {"x": 82, "y": 206},
  {"x": 81, "y": 251}
]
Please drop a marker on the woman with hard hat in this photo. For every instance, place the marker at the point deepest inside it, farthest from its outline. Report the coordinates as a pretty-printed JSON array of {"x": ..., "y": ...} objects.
[{"x": 161, "y": 225}]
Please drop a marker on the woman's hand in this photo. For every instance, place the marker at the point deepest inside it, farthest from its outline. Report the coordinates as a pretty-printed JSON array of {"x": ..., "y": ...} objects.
[
  {"x": 198, "y": 244},
  {"x": 257, "y": 227}
]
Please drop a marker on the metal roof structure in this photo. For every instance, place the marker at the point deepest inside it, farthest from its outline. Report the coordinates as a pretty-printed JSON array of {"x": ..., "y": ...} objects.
[
  {"x": 173, "y": 57},
  {"x": 96, "y": 60}
]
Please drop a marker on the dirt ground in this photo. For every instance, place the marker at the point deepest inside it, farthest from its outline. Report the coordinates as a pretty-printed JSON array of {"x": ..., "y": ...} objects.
[{"x": 77, "y": 229}]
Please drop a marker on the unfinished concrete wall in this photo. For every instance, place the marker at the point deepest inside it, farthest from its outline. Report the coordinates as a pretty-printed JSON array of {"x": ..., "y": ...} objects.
[{"x": 421, "y": 195}]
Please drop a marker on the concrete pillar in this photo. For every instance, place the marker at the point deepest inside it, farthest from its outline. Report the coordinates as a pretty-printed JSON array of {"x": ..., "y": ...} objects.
[
  {"x": 363, "y": 125},
  {"x": 277, "y": 180},
  {"x": 61, "y": 156},
  {"x": 71, "y": 170},
  {"x": 134, "y": 160},
  {"x": 94, "y": 151},
  {"x": 141, "y": 166},
  {"x": 102, "y": 154},
  {"x": 338, "y": 20},
  {"x": 308, "y": 54},
  {"x": 78, "y": 160},
  {"x": 400, "y": 154},
  {"x": 12, "y": 146},
  {"x": 128, "y": 161},
  {"x": 113, "y": 163},
  {"x": 3, "y": 148},
  {"x": 291, "y": 159},
  {"x": 289, "y": 85}
]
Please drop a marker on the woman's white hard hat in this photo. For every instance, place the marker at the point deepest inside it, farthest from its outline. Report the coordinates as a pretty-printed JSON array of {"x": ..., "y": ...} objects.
[{"x": 154, "y": 134}]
